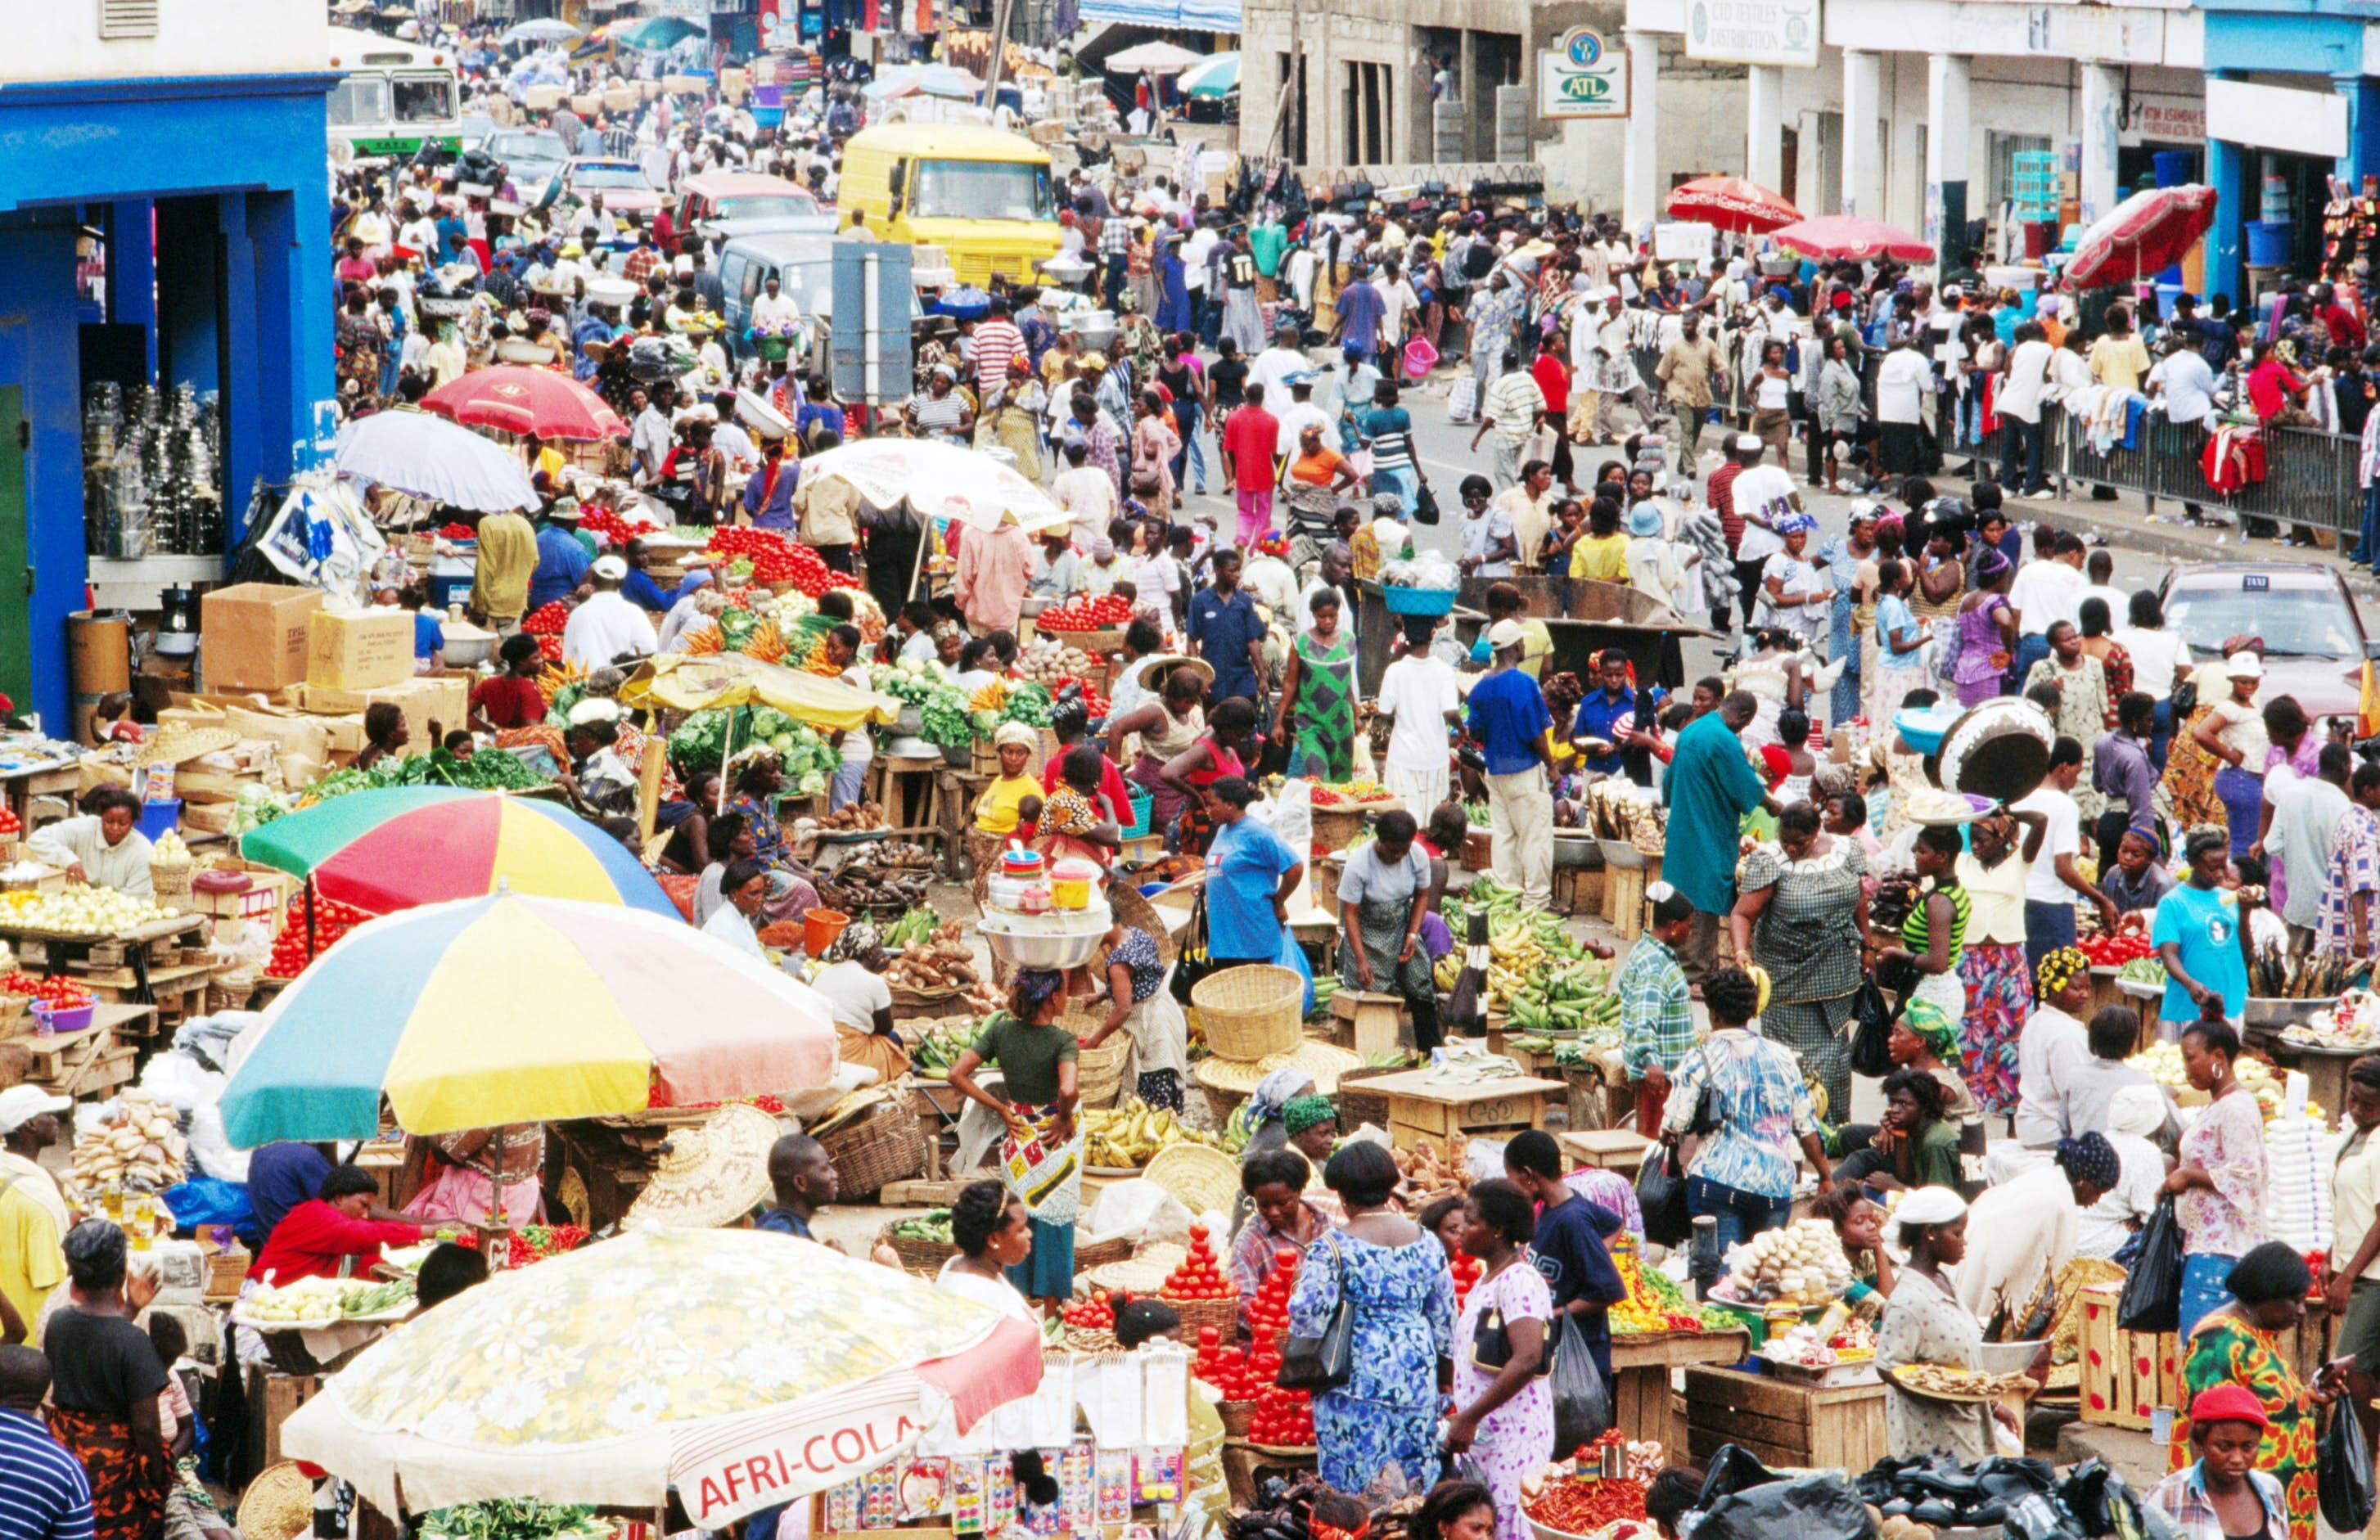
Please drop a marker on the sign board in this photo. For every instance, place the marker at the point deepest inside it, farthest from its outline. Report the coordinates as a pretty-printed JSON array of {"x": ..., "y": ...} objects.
[
  {"x": 2276, "y": 118},
  {"x": 2174, "y": 121},
  {"x": 1754, "y": 32},
  {"x": 1582, "y": 76},
  {"x": 1681, "y": 240},
  {"x": 765, "y": 21},
  {"x": 727, "y": 1469},
  {"x": 872, "y": 360}
]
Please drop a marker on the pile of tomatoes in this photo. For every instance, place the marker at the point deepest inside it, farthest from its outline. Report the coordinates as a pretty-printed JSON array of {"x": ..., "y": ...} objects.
[
  {"x": 1231, "y": 1371},
  {"x": 1199, "y": 1277},
  {"x": 457, "y": 532},
  {"x": 1466, "y": 1269},
  {"x": 550, "y": 648},
  {"x": 1086, "y": 612},
  {"x": 1093, "y": 702},
  {"x": 58, "y": 993},
  {"x": 776, "y": 558},
  {"x": 1283, "y": 1419},
  {"x": 2114, "y": 952},
  {"x": 9, "y": 823},
  {"x": 610, "y": 524},
  {"x": 1095, "y": 1313},
  {"x": 546, "y": 620},
  {"x": 333, "y": 919}
]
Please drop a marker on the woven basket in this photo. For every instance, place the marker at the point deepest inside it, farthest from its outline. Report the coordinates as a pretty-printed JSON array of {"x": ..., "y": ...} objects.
[
  {"x": 923, "y": 1258},
  {"x": 1205, "y": 1178},
  {"x": 1100, "y": 1253},
  {"x": 1333, "y": 827},
  {"x": 882, "y": 1147},
  {"x": 1222, "y": 1315},
  {"x": 1357, "y": 1105},
  {"x": 1238, "y": 1417},
  {"x": 1248, "y": 1011},
  {"x": 1099, "y": 1072},
  {"x": 171, "y": 878}
]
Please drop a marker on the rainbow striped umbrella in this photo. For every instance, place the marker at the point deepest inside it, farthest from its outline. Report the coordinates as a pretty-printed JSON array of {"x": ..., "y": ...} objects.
[
  {"x": 508, "y": 1008},
  {"x": 399, "y": 846}
]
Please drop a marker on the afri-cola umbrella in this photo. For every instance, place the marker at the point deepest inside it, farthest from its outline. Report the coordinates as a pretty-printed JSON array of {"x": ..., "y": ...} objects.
[
  {"x": 398, "y": 847},
  {"x": 741, "y": 1369},
  {"x": 1731, "y": 203},
  {"x": 1844, "y": 237},
  {"x": 2146, "y": 233},
  {"x": 505, "y": 1009},
  {"x": 940, "y": 480},
  {"x": 515, "y": 398}
]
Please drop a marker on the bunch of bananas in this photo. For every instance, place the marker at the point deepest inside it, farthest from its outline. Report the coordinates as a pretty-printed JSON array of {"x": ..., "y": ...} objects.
[
  {"x": 1572, "y": 998},
  {"x": 1133, "y": 1134}
]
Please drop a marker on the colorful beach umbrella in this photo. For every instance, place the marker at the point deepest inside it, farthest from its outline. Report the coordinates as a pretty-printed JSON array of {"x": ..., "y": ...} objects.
[
  {"x": 508, "y": 1008},
  {"x": 1216, "y": 76},
  {"x": 738, "y": 1369},
  {"x": 400, "y": 847},
  {"x": 515, "y": 398},
  {"x": 1731, "y": 203},
  {"x": 1844, "y": 237}
]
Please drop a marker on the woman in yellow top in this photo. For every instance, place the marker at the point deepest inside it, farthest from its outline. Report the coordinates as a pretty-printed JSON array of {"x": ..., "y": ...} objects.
[
  {"x": 1015, "y": 797},
  {"x": 1602, "y": 554}
]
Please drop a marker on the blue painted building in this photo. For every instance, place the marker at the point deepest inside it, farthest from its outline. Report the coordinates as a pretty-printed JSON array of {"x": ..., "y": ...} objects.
[
  {"x": 2289, "y": 105},
  {"x": 183, "y": 155}
]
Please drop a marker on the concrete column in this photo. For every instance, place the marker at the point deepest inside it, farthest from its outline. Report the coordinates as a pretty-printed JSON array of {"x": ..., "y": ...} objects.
[
  {"x": 1946, "y": 151},
  {"x": 1862, "y": 190},
  {"x": 1764, "y": 125},
  {"x": 1640, "y": 196},
  {"x": 2229, "y": 172},
  {"x": 1478, "y": 131},
  {"x": 2103, "y": 99}
]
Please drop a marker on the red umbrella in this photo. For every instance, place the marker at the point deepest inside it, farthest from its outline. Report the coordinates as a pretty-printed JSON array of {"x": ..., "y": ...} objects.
[
  {"x": 2145, "y": 233},
  {"x": 517, "y": 399},
  {"x": 1731, "y": 203},
  {"x": 1843, "y": 238}
]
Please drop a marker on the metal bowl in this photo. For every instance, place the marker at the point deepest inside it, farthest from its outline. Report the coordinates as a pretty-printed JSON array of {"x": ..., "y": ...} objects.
[
  {"x": 1620, "y": 854},
  {"x": 1063, "y": 940},
  {"x": 2264, "y": 1011},
  {"x": 463, "y": 652},
  {"x": 2006, "y": 1358}
]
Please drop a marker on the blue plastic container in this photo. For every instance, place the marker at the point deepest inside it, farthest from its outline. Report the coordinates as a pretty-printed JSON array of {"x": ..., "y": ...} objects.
[
  {"x": 1417, "y": 601},
  {"x": 2269, "y": 242},
  {"x": 159, "y": 817},
  {"x": 1141, "y": 804}
]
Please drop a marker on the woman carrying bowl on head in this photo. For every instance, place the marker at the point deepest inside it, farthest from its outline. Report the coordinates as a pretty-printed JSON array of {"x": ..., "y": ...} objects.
[{"x": 1041, "y": 1155}]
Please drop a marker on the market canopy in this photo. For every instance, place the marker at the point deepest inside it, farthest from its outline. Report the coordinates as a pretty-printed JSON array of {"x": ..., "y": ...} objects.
[
  {"x": 1731, "y": 203},
  {"x": 399, "y": 847},
  {"x": 655, "y": 32},
  {"x": 1844, "y": 237},
  {"x": 545, "y": 29},
  {"x": 1153, "y": 58},
  {"x": 923, "y": 79},
  {"x": 508, "y": 1008},
  {"x": 940, "y": 480},
  {"x": 1199, "y": 16},
  {"x": 663, "y": 1359},
  {"x": 719, "y": 681},
  {"x": 514, "y": 398},
  {"x": 1217, "y": 75},
  {"x": 431, "y": 457},
  {"x": 2146, "y": 233}
]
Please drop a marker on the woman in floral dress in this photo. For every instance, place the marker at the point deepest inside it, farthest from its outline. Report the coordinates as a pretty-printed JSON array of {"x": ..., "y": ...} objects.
[
  {"x": 1503, "y": 1413},
  {"x": 2237, "y": 1345},
  {"x": 2219, "y": 1185},
  {"x": 2086, "y": 703},
  {"x": 1394, "y": 1275}
]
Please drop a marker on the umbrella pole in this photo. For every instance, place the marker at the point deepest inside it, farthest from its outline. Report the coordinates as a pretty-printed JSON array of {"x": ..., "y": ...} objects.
[
  {"x": 726, "y": 755},
  {"x": 310, "y": 918}
]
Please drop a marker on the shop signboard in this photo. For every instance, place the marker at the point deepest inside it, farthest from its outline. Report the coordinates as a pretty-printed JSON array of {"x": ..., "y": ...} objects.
[
  {"x": 1582, "y": 76},
  {"x": 1754, "y": 32},
  {"x": 732, "y": 1467}
]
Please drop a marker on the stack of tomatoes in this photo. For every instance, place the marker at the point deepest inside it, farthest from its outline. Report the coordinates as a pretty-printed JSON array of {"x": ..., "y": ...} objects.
[
  {"x": 1093, "y": 702},
  {"x": 9, "y": 823},
  {"x": 1095, "y": 1313},
  {"x": 1197, "y": 1277},
  {"x": 1086, "y": 612},
  {"x": 1466, "y": 1269},
  {"x": 333, "y": 919},
  {"x": 457, "y": 532},
  {"x": 550, "y": 648},
  {"x": 1282, "y": 1418},
  {"x": 58, "y": 993},
  {"x": 2114, "y": 952},
  {"x": 610, "y": 524},
  {"x": 546, "y": 620},
  {"x": 1231, "y": 1371}
]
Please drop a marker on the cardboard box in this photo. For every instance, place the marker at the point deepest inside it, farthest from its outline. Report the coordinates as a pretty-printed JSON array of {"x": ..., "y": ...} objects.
[
  {"x": 359, "y": 649},
  {"x": 255, "y": 717},
  {"x": 542, "y": 99},
  {"x": 253, "y": 636},
  {"x": 444, "y": 700}
]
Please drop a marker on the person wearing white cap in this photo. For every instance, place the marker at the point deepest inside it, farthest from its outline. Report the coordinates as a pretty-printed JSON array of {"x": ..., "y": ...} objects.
[
  {"x": 1924, "y": 1323},
  {"x": 2232, "y": 730},
  {"x": 29, "y": 1124},
  {"x": 1509, "y": 717},
  {"x": 2134, "y": 1116},
  {"x": 607, "y": 625}
]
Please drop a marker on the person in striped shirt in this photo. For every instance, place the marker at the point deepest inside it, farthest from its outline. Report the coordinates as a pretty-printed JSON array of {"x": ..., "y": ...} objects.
[
  {"x": 44, "y": 1493},
  {"x": 997, "y": 344}
]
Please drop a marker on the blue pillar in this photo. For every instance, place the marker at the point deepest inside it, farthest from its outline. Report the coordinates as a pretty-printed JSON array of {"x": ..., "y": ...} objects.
[
  {"x": 2228, "y": 172},
  {"x": 38, "y": 352},
  {"x": 243, "y": 416},
  {"x": 2362, "y": 99},
  {"x": 132, "y": 268}
]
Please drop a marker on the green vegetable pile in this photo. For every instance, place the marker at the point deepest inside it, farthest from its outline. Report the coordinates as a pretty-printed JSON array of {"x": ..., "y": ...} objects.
[
  {"x": 2143, "y": 970},
  {"x": 912, "y": 929},
  {"x": 943, "y": 720},
  {"x": 702, "y": 741},
  {"x": 489, "y": 770},
  {"x": 254, "y": 808},
  {"x": 513, "y": 1519},
  {"x": 380, "y": 1297},
  {"x": 910, "y": 683},
  {"x": 940, "y": 1049},
  {"x": 932, "y": 1225},
  {"x": 1028, "y": 703}
]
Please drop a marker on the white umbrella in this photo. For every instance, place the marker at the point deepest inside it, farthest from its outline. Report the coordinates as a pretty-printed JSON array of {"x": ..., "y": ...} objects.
[
  {"x": 1154, "y": 58},
  {"x": 543, "y": 30},
  {"x": 940, "y": 480},
  {"x": 927, "y": 79},
  {"x": 431, "y": 457}
]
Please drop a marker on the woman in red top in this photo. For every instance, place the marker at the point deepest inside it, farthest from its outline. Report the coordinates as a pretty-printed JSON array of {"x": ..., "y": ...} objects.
[
  {"x": 512, "y": 698},
  {"x": 1072, "y": 723},
  {"x": 328, "y": 1236},
  {"x": 2273, "y": 386},
  {"x": 1551, "y": 372},
  {"x": 1204, "y": 762}
]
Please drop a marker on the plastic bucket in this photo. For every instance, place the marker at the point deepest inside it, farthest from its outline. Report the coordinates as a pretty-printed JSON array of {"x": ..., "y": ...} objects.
[
  {"x": 1420, "y": 357},
  {"x": 158, "y": 818},
  {"x": 2269, "y": 242},
  {"x": 1069, "y": 883},
  {"x": 820, "y": 928},
  {"x": 2174, "y": 166}
]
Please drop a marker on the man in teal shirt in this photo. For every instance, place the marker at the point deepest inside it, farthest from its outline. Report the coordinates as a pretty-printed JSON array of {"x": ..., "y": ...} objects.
[
  {"x": 1709, "y": 787},
  {"x": 1267, "y": 243}
]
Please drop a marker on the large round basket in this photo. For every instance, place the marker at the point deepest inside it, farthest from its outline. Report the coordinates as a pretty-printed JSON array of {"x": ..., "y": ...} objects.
[
  {"x": 1238, "y": 1417},
  {"x": 923, "y": 1258},
  {"x": 1222, "y": 1315},
  {"x": 1099, "y": 1072},
  {"x": 1100, "y": 1253},
  {"x": 1228, "y": 1082},
  {"x": 171, "y": 878},
  {"x": 1098, "y": 1179},
  {"x": 1333, "y": 827},
  {"x": 1248, "y": 1011},
  {"x": 883, "y": 1147},
  {"x": 1143, "y": 1272},
  {"x": 278, "y": 1503},
  {"x": 1204, "y": 1178}
]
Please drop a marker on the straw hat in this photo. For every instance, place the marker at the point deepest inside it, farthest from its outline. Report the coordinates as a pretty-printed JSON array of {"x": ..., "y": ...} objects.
[
  {"x": 278, "y": 1505},
  {"x": 710, "y": 1175},
  {"x": 1325, "y": 1062},
  {"x": 178, "y": 740}
]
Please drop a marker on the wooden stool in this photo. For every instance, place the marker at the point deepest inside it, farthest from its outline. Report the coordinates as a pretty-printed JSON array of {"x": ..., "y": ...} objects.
[
  {"x": 1623, "y": 900},
  {"x": 893, "y": 779},
  {"x": 1377, "y": 1019}
]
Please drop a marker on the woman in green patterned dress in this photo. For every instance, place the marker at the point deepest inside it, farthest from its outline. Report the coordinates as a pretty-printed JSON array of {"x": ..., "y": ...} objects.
[{"x": 1320, "y": 685}]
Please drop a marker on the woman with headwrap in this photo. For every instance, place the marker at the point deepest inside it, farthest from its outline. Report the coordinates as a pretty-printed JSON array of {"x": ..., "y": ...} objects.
[
  {"x": 1140, "y": 1006},
  {"x": 1922, "y": 1038},
  {"x": 1793, "y": 593},
  {"x": 1041, "y": 1156},
  {"x": 2238, "y": 1343},
  {"x": 103, "y": 1398},
  {"x": 1986, "y": 631},
  {"x": 2054, "y": 1045},
  {"x": 852, "y": 983}
]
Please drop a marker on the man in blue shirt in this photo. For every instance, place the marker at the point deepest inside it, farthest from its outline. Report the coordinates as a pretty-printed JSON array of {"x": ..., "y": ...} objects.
[
  {"x": 1608, "y": 715},
  {"x": 640, "y": 589},
  {"x": 1226, "y": 631},
  {"x": 1509, "y": 717},
  {"x": 1569, "y": 1248},
  {"x": 802, "y": 1180},
  {"x": 280, "y": 1177},
  {"x": 1361, "y": 310},
  {"x": 44, "y": 1493},
  {"x": 562, "y": 561}
]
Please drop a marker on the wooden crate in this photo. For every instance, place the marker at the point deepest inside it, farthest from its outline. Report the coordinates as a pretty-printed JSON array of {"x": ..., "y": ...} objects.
[
  {"x": 1643, "y": 1404},
  {"x": 1781, "y": 1423},
  {"x": 1245, "y": 1465},
  {"x": 1421, "y": 1112},
  {"x": 271, "y": 1397},
  {"x": 2126, "y": 1375}
]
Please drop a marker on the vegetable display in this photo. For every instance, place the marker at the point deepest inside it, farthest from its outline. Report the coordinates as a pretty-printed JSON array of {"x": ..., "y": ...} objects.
[
  {"x": 2114, "y": 952},
  {"x": 1132, "y": 1134},
  {"x": 489, "y": 769},
  {"x": 546, "y": 620},
  {"x": 333, "y": 919},
  {"x": 2143, "y": 970},
  {"x": 513, "y": 1519},
  {"x": 138, "y": 1143},
  {"x": 943, "y": 720},
  {"x": 1086, "y": 613},
  {"x": 57, "y": 991},
  {"x": 703, "y": 740},
  {"x": 934, "y": 1225},
  {"x": 79, "y": 911},
  {"x": 1655, "y": 1303}
]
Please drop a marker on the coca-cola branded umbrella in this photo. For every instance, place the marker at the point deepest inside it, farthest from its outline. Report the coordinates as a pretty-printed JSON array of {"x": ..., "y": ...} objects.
[
  {"x": 2146, "y": 233},
  {"x": 1731, "y": 203},
  {"x": 517, "y": 399},
  {"x": 1844, "y": 237}
]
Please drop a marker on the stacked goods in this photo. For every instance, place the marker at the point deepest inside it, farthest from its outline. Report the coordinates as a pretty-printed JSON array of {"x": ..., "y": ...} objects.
[
  {"x": 933, "y": 1226},
  {"x": 291, "y": 952},
  {"x": 58, "y": 992},
  {"x": 78, "y": 911},
  {"x": 865, "y": 886},
  {"x": 459, "y": 532},
  {"x": 936, "y": 968},
  {"x": 706, "y": 737},
  {"x": 1575, "y": 998},
  {"x": 320, "y": 1301},
  {"x": 2163, "y": 1063},
  {"x": 1574, "y": 1499},
  {"x": 1655, "y": 1303},
  {"x": 1131, "y": 1136},
  {"x": 2145, "y": 971},
  {"x": 2273, "y": 974},
  {"x": 487, "y": 770},
  {"x": 546, "y": 620},
  {"x": 943, "y": 720},
  {"x": 857, "y": 818},
  {"x": 530, "y": 1242},
  {"x": 768, "y": 557},
  {"x": 1633, "y": 815},
  {"x": 910, "y": 681},
  {"x": 2352, "y": 1024},
  {"x": 1467, "y": 1269},
  {"x": 1428, "y": 1172},
  {"x": 1095, "y": 1313},
  {"x": 1197, "y": 1276},
  {"x": 1346, "y": 793},
  {"x": 940, "y": 1045},
  {"x": 1283, "y": 1419},
  {"x": 1802, "y": 1264},
  {"x": 2297, "y": 1193},
  {"x": 138, "y": 1143},
  {"x": 1047, "y": 660},
  {"x": 1086, "y": 613}
]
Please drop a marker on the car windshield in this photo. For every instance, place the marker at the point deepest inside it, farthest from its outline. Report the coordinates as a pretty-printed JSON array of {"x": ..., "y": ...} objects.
[
  {"x": 980, "y": 189},
  {"x": 766, "y": 205},
  {"x": 610, "y": 176},
  {"x": 2293, "y": 622},
  {"x": 527, "y": 147}
]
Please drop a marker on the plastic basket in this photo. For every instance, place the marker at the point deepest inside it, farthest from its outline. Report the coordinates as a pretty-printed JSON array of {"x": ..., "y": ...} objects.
[
  {"x": 1417, "y": 601},
  {"x": 72, "y": 1019},
  {"x": 1142, "y": 805},
  {"x": 1250, "y": 1010}
]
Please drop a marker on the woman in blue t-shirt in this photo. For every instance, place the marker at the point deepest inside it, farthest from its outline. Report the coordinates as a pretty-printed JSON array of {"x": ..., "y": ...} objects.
[{"x": 1250, "y": 874}]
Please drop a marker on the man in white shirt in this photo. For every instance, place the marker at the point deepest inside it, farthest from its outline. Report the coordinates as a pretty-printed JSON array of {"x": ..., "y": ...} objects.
[
  {"x": 2053, "y": 884},
  {"x": 2184, "y": 382},
  {"x": 1399, "y": 305},
  {"x": 607, "y": 625},
  {"x": 2018, "y": 402},
  {"x": 1760, "y": 495},
  {"x": 1418, "y": 694},
  {"x": 2307, "y": 809},
  {"x": 772, "y": 307},
  {"x": 2047, "y": 589},
  {"x": 1272, "y": 368},
  {"x": 2099, "y": 568},
  {"x": 649, "y": 436},
  {"x": 1902, "y": 382}
]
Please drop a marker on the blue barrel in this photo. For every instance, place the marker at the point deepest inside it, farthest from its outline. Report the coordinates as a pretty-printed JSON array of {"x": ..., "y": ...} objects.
[
  {"x": 2174, "y": 166},
  {"x": 2165, "y": 295},
  {"x": 2269, "y": 242}
]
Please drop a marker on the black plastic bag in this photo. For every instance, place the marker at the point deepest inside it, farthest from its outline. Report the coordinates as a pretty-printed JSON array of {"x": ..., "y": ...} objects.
[
  {"x": 1808, "y": 1507},
  {"x": 1661, "y": 1193},
  {"x": 1582, "y": 1399},
  {"x": 1733, "y": 1469},
  {"x": 1871, "y": 1031},
  {"x": 2152, "y": 1297},
  {"x": 2346, "y": 1484}
]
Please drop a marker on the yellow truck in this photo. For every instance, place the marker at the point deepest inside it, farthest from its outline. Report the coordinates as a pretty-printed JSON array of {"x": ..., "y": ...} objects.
[{"x": 986, "y": 198}]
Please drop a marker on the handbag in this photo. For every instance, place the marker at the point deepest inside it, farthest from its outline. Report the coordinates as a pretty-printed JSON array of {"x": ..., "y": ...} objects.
[
  {"x": 1327, "y": 1362},
  {"x": 1192, "y": 961},
  {"x": 1706, "y": 1114},
  {"x": 1424, "y": 504}
]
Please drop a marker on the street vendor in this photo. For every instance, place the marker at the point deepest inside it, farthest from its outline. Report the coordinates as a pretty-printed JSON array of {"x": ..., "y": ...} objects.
[
  {"x": 1280, "y": 1218},
  {"x": 1041, "y": 1155},
  {"x": 1384, "y": 895},
  {"x": 1139, "y": 1005},
  {"x": 1013, "y": 799},
  {"x": 852, "y": 983},
  {"x": 2221, "y": 1493},
  {"x": 103, "y": 847},
  {"x": 1924, "y": 1323},
  {"x": 1859, "y": 1221},
  {"x": 744, "y": 883},
  {"x": 469, "y": 1164},
  {"x": 328, "y": 1236}
]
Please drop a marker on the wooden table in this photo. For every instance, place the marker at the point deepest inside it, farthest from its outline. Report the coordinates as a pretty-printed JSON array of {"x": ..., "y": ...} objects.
[
  {"x": 1642, "y": 1404},
  {"x": 1781, "y": 1423},
  {"x": 53, "y": 778},
  {"x": 1421, "y": 1107}
]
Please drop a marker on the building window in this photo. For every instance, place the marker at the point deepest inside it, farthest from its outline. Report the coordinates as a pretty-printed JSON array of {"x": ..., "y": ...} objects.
[
  {"x": 126, "y": 19},
  {"x": 1369, "y": 132}
]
